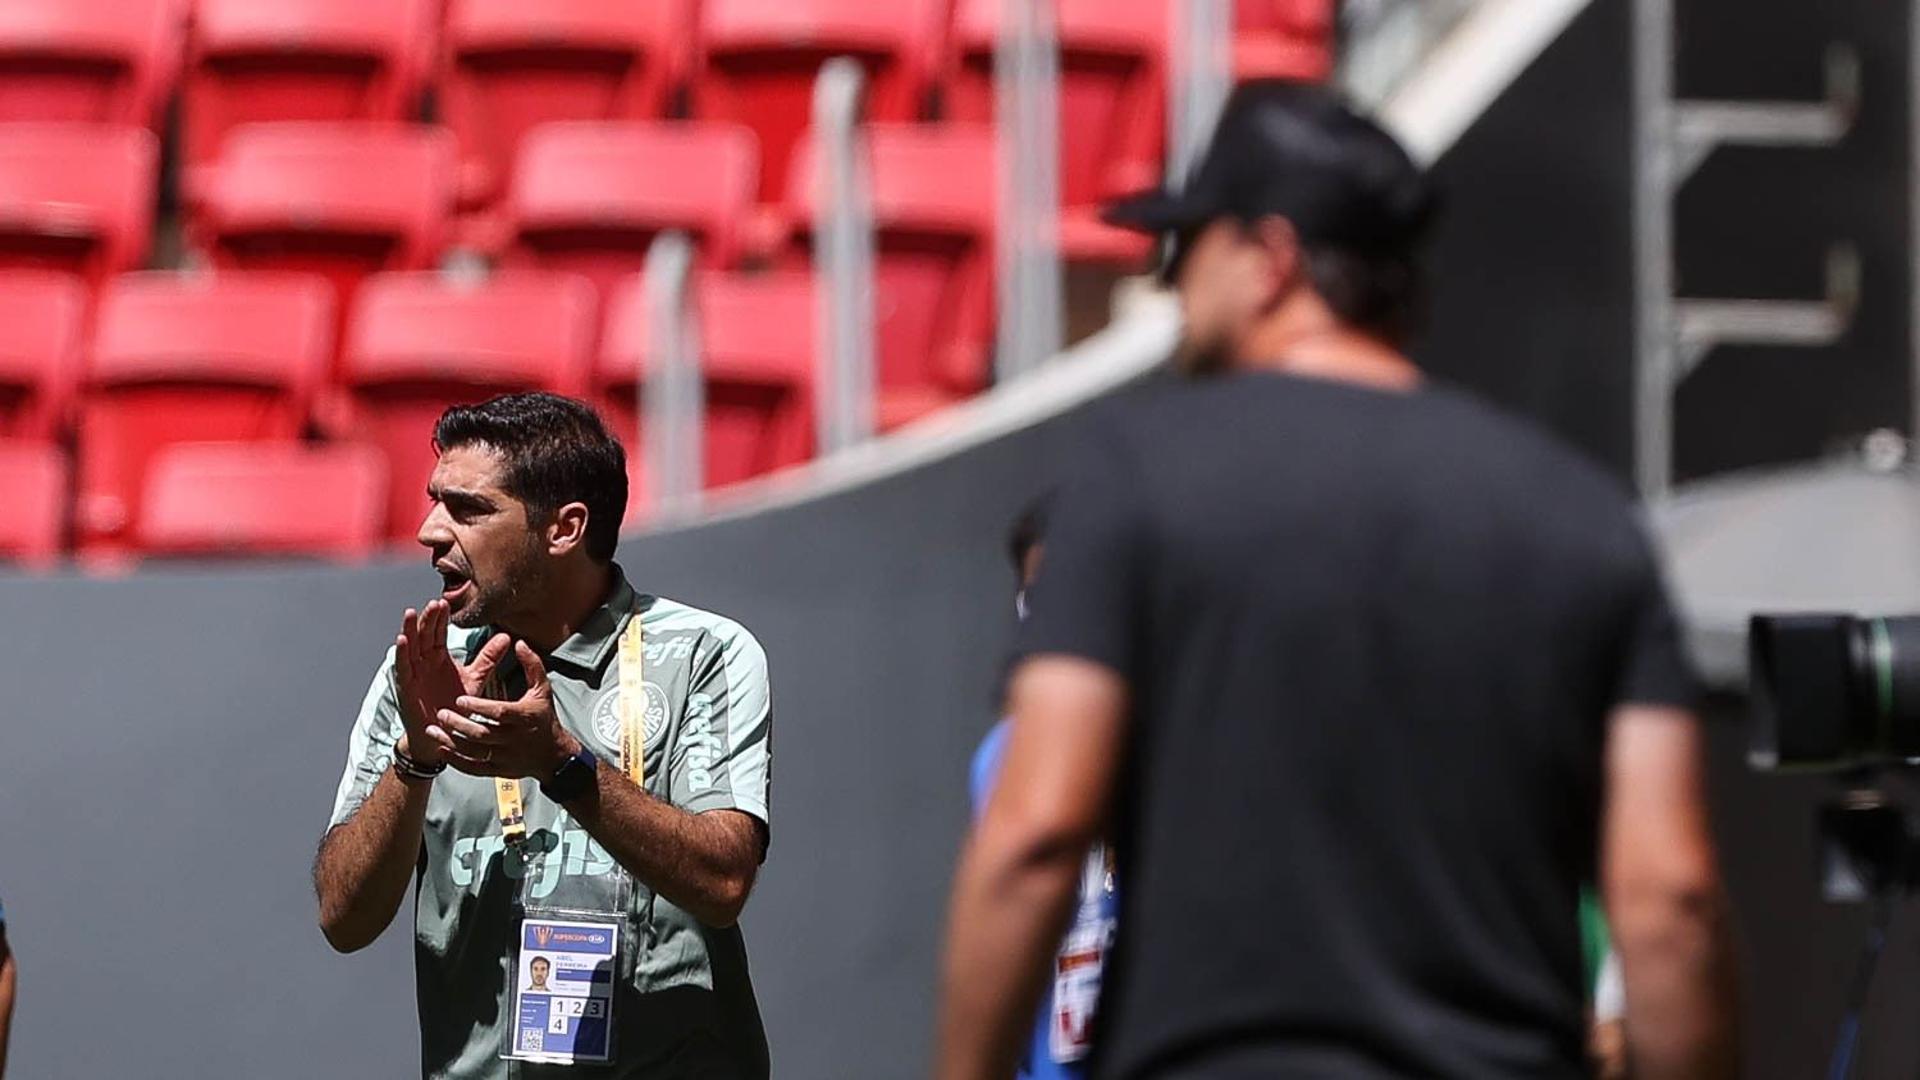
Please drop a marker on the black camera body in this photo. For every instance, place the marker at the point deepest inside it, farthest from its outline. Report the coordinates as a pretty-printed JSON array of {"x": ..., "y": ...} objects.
[{"x": 1834, "y": 692}]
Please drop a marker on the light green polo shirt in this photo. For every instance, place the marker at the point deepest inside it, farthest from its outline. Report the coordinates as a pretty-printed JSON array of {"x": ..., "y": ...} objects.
[{"x": 685, "y": 1005}]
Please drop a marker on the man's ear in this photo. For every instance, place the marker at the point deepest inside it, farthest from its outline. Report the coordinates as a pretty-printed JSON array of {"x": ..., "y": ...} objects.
[
  {"x": 1286, "y": 259},
  {"x": 568, "y": 528}
]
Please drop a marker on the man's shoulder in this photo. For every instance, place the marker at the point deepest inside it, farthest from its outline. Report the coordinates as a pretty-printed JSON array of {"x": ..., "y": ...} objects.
[
  {"x": 664, "y": 615},
  {"x": 1526, "y": 451},
  {"x": 1553, "y": 492}
]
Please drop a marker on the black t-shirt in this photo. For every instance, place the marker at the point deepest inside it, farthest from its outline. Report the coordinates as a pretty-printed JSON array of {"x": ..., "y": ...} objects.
[{"x": 1372, "y": 640}]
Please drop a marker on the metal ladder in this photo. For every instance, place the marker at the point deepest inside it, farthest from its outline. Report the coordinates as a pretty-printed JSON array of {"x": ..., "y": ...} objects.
[{"x": 1672, "y": 138}]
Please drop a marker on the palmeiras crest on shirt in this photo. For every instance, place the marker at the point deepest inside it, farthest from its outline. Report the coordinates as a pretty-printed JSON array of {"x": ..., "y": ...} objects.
[{"x": 606, "y": 718}]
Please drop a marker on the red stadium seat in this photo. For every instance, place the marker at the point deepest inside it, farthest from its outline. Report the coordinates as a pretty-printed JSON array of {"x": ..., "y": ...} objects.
[
  {"x": 420, "y": 343},
  {"x": 512, "y": 65},
  {"x": 933, "y": 213},
  {"x": 258, "y": 60},
  {"x": 343, "y": 200},
  {"x": 265, "y": 498},
  {"x": 1112, "y": 108},
  {"x": 590, "y": 197},
  {"x": 756, "y": 334},
  {"x": 42, "y": 321},
  {"x": 758, "y": 60},
  {"x": 1283, "y": 39},
  {"x": 33, "y": 487},
  {"x": 189, "y": 358},
  {"x": 76, "y": 197},
  {"x": 97, "y": 61}
]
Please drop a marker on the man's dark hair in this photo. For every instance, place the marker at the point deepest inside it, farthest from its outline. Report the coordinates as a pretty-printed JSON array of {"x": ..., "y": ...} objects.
[
  {"x": 1365, "y": 215},
  {"x": 1384, "y": 295},
  {"x": 1029, "y": 530},
  {"x": 556, "y": 450}
]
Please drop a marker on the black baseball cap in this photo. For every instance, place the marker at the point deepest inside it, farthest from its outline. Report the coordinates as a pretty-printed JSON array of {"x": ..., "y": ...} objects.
[{"x": 1299, "y": 151}]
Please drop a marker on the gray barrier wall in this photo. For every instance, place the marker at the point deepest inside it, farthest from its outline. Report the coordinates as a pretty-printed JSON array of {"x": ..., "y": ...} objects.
[
  {"x": 170, "y": 744},
  {"x": 171, "y": 741}
]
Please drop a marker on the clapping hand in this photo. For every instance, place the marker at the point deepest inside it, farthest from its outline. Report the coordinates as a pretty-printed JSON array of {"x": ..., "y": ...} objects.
[
  {"x": 429, "y": 680},
  {"x": 506, "y": 738}
]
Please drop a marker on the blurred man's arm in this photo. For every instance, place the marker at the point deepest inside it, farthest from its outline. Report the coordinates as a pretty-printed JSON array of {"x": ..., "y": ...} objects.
[
  {"x": 1018, "y": 876},
  {"x": 1664, "y": 898},
  {"x": 8, "y": 977}
]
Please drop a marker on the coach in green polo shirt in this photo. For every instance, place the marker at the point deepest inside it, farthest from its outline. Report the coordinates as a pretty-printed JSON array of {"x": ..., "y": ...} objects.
[{"x": 516, "y": 672}]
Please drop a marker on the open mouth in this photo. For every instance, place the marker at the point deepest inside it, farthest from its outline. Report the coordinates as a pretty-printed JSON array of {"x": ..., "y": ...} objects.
[{"x": 454, "y": 584}]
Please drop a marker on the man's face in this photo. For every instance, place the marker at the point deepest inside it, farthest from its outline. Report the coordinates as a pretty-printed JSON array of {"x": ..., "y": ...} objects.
[
  {"x": 487, "y": 553},
  {"x": 1224, "y": 281},
  {"x": 539, "y": 969}
]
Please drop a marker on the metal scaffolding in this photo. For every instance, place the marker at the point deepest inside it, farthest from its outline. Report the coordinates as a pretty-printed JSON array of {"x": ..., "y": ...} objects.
[{"x": 1672, "y": 138}]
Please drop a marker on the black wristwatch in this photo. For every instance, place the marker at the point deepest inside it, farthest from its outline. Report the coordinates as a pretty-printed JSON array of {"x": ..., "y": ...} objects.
[{"x": 574, "y": 777}]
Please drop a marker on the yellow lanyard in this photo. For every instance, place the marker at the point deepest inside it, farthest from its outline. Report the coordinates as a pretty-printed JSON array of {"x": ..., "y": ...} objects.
[
  {"x": 633, "y": 711},
  {"x": 633, "y": 703}
]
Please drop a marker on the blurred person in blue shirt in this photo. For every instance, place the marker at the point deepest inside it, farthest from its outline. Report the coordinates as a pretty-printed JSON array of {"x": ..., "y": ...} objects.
[{"x": 1063, "y": 1035}]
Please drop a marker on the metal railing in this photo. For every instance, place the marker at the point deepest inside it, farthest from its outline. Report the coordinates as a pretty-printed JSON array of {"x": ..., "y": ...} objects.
[
  {"x": 1026, "y": 65},
  {"x": 1203, "y": 44},
  {"x": 843, "y": 261},
  {"x": 672, "y": 388}
]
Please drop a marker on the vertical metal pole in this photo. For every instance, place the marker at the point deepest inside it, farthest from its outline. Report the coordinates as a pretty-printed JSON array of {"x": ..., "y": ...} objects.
[
  {"x": 843, "y": 260},
  {"x": 1026, "y": 68},
  {"x": 1653, "y": 164},
  {"x": 1913, "y": 225},
  {"x": 672, "y": 390},
  {"x": 1203, "y": 36}
]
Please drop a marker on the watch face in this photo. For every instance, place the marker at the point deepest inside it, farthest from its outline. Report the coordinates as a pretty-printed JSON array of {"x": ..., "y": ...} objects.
[{"x": 572, "y": 778}]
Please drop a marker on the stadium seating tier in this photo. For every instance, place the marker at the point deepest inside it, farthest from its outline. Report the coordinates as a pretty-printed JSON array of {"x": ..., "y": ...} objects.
[
  {"x": 76, "y": 197},
  {"x": 33, "y": 487},
  {"x": 758, "y": 59},
  {"x": 188, "y": 358},
  {"x": 340, "y": 200},
  {"x": 42, "y": 325},
  {"x": 422, "y": 342},
  {"x": 590, "y": 197},
  {"x": 277, "y": 60},
  {"x": 97, "y": 61},
  {"x": 932, "y": 190},
  {"x": 756, "y": 353},
  {"x": 511, "y": 66},
  {"x": 263, "y": 498}
]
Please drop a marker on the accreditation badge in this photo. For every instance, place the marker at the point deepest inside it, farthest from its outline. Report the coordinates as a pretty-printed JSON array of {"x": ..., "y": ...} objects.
[
  {"x": 1078, "y": 966},
  {"x": 563, "y": 986}
]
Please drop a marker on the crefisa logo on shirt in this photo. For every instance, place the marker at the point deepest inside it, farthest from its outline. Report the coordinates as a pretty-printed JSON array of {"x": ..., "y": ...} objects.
[{"x": 606, "y": 717}]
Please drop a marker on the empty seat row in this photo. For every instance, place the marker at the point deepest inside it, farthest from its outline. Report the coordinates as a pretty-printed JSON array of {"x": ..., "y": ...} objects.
[
  {"x": 240, "y": 356},
  {"x": 346, "y": 201},
  {"x": 219, "y": 498},
  {"x": 504, "y": 66}
]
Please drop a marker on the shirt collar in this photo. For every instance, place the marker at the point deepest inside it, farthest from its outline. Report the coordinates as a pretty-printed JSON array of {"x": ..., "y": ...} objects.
[{"x": 593, "y": 643}]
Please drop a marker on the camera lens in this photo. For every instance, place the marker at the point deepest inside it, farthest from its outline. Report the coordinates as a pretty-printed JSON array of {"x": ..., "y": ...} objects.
[
  {"x": 1834, "y": 691},
  {"x": 1888, "y": 682}
]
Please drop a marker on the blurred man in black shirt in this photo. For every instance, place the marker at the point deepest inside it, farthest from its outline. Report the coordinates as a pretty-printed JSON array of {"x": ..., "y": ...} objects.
[{"x": 1366, "y": 679}]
